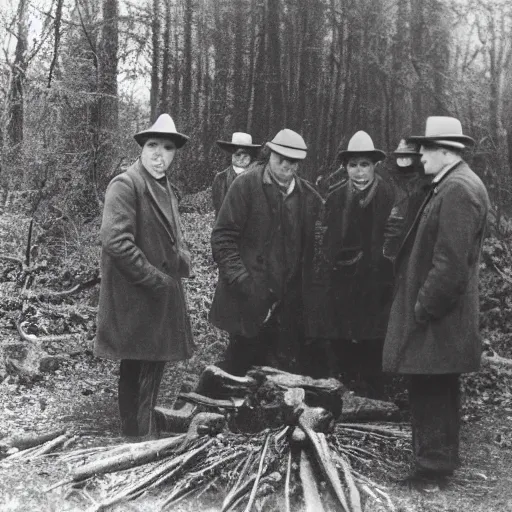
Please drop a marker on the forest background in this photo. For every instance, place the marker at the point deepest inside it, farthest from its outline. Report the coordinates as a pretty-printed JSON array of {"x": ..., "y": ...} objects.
[{"x": 79, "y": 77}]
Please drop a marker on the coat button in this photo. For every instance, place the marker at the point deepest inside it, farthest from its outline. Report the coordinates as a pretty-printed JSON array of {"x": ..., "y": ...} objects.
[
  {"x": 164, "y": 264},
  {"x": 260, "y": 259}
]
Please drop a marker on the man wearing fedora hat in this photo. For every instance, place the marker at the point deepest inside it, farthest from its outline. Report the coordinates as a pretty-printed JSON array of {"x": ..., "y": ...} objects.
[
  {"x": 243, "y": 152},
  {"x": 359, "y": 279},
  {"x": 142, "y": 313},
  {"x": 433, "y": 333},
  {"x": 411, "y": 187},
  {"x": 264, "y": 226}
]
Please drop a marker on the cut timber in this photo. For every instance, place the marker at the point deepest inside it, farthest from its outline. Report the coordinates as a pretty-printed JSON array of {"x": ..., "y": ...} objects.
[
  {"x": 206, "y": 401},
  {"x": 180, "y": 420},
  {"x": 326, "y": 393},
  {"x": 132, "y": 455},
  {"x": 358, "y": 408},
  {"x": 216, "y": 383},
  {"x": 312, "y": 499},
  {"x": 28, "y": 441},
  {"x": 174, "y": 420},
  {"x": 317, "y": 419}
]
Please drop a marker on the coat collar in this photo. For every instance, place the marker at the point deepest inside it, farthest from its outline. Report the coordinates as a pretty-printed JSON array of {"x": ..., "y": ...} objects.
[
  {"x": 163, "y": 207},
  {"x": 434, "y": 188}
]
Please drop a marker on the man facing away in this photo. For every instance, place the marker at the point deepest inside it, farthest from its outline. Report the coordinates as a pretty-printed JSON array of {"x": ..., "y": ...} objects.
[{"x": 432, "y": 333}]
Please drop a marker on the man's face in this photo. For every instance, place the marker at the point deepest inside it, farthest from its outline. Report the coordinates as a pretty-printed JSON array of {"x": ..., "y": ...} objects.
[
  {"x": 283, "y": 168},
  {"x": 361, "y": 171},
  {"x": 404, "y": 161},
  {"x": 157, "y": 155},
  {"x": 241, "y": 158},
  {"x": 432, "y": 159}
]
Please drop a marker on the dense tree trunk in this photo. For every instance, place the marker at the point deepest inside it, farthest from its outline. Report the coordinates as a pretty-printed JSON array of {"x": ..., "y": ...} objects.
[
  {"x": 155, "y": 60},
  {"x": 108, "y": 111},
  {"x": 15, "y": 100}
]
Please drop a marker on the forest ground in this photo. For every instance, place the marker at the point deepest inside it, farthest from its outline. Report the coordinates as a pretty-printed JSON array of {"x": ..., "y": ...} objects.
[{"x": 81, "y": 395}]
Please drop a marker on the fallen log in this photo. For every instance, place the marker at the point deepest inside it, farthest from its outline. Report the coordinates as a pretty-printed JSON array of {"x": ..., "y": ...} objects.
[
  {"x": 134, "y": 454},
  {"x": 358, "y": 408},
  {"x": 326, "y": 393},
  {"x": 216, "y": 383},
  {"x": 312, "y": 499},
  {"x": 206, "y": 401},
  {"x": 27, "y": 441}
]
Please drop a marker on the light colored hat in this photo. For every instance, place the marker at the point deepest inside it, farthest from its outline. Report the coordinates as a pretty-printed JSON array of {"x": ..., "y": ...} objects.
[
  {"x": 289, "y": 144},
  {"x": 238, "y": 140},
  {"x": 443, "y": 131},
  {"x": 163, "y": 127},
  {"x": 362, "y": 144},
  {"x": 407, "y": 149}
]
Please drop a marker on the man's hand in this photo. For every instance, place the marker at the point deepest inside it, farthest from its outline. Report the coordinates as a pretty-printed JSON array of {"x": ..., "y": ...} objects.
[
  {"x": 420, "y": 313},
  {"x": 271, "y": 311}
]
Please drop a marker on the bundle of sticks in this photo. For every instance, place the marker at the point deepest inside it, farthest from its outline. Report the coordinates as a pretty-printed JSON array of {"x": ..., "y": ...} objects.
[{"x": 302, "y": 460}]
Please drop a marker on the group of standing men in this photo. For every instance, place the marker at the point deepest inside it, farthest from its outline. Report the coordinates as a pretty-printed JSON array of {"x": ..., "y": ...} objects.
[{"x": 375, "y": 277}]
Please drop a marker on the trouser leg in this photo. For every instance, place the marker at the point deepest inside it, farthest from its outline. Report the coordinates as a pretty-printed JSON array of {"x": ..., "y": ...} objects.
[
  {"x": 242, "y": 353},
  {"x": 139, "y": 382},
  {"x": 435, "y": 416},
  {"x": 150, "y": 377},
  {"x": 128, "y": 396}
]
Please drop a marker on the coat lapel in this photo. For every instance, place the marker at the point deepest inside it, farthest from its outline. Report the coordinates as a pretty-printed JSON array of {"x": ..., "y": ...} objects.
[
  {"x": 164, "y": 208},
  {"x": 433, "y": 190}
]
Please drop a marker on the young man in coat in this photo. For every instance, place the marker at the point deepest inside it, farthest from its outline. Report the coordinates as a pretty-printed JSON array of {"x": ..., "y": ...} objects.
[
  {"x": 142, "y": 314},
  {"x": 265, "y": 224},
  {"x": 433, "y": 333},
  {"x": 359, "y": 280},
  {"x": 243, "y": 152}
]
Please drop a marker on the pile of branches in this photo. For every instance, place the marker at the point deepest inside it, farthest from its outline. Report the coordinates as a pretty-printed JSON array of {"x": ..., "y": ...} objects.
[
  {"x": 236, "y": 472},
  {"x": 271, "y": 444}
]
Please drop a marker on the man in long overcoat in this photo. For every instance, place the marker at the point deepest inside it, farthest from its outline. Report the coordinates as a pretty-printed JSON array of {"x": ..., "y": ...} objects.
[
  {"x": 263, "y": 228},
  {"x": 142, "y": 313},
  {"x": 433, "y": 333},
  {"x": 243, "y": 152},
  {"x": 358, "y": 279}
]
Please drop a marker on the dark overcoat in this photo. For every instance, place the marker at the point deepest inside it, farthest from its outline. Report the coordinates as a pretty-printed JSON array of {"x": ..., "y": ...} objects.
[
  {"x": 241, "y": 247},
  {"x": 358, "y": 279},
  {"x": 220, "y": 185},
  {"x": 438, "y": 266},
  {"x": 142, "y": 311}
]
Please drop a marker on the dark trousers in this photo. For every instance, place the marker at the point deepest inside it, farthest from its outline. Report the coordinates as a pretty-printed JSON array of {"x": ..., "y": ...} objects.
[
  {"x": 358, "y": 364},
  {"x": 139, "y": 382},
  {"x": 275, "y": 345},
  {"x": 435, "y": 417}
]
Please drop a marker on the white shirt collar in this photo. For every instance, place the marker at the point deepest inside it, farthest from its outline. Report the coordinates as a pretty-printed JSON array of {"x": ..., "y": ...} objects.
[
  {"x": 442, "y": 172},
  {"x": 239, "y": 170},
  {"x": 291, "y": 188}
]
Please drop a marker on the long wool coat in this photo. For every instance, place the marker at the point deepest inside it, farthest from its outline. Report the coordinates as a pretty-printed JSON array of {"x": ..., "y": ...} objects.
[
  {"x": 220, "y": 185},
  {"x": 240, "y": 245},
  {"x": 142, "y": 312},
  {"x": 438, "y": 266},
  {"x": 356, "y": 296}
]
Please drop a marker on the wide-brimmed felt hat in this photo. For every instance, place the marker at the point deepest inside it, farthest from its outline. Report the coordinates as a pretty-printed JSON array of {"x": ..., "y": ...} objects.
[
  {"x": 407, "y": 149},
  {"x": 163, "y": 127},
  {"x": 361, "y": 144},
  {"x": 238, "y": 140},
  {"x": 289, "y": 144},
  {"x": 443, "y": 131}
]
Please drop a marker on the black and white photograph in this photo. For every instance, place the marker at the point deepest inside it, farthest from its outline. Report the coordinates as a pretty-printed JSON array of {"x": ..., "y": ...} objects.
[{"x": 255, "y": 255}]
